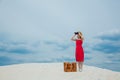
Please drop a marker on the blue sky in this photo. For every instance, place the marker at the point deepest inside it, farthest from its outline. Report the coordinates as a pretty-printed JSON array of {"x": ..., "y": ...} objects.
[{"x": 40, "y": 31}]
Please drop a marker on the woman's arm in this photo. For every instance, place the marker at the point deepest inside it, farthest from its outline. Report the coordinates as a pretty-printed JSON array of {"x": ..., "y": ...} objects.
[{"x": 73, "y": 38}]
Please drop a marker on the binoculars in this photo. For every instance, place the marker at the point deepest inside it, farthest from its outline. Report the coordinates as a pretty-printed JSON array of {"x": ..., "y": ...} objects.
[{"x": 75, "y": 33}]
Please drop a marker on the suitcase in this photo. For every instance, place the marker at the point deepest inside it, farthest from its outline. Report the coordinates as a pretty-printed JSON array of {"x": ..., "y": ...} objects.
[{"x": 70, "y": 67}]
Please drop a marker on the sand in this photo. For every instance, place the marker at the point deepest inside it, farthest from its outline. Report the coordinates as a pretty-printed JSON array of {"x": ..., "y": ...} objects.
[{"x": 54, "y": 71}]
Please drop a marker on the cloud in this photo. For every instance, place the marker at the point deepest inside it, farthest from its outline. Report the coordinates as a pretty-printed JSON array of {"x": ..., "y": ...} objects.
[
  {"x": 107, "y": 47},
  {"x": 103, "y": 50},
  {"x": 55, "y": 51},
  {"x": 17, "y": 48},
  {"x": 59, "y": 45},
  {"x": 101, "y": 59},
  {"x": 41, "y": 51},
  {"x": 4, "y": 60},
  {"x": 108, "y": 42},
  {"x": 113, "y": 35}
]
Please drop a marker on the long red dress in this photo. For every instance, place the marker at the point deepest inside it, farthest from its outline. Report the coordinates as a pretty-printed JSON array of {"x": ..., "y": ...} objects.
[{"x": 79, "y": 53}]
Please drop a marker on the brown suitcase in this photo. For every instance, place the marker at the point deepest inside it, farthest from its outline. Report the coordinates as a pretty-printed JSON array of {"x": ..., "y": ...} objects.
[{"x": 70, "y": 67}]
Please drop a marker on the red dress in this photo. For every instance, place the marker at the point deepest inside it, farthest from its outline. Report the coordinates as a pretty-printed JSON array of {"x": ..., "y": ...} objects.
[{"x": 79, "y": 53}]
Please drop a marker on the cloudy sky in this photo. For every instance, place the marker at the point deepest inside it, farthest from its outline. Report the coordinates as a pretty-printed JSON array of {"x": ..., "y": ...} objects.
[{"x": 40, "y": 31}]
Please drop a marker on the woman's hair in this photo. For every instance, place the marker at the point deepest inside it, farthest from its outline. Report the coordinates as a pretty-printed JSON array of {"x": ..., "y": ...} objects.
[{"x": 80, "y": 35}]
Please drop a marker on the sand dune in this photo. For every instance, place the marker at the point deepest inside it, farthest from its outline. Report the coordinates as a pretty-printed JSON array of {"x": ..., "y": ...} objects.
[{"x": 54, "y": 71}]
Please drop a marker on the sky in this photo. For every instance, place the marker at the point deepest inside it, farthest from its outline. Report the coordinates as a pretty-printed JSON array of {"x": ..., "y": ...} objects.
[{"x": 40, "y": 31}]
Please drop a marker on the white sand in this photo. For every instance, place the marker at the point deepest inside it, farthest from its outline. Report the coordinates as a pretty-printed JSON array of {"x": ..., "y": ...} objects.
[{"x": 54, "y": 71}]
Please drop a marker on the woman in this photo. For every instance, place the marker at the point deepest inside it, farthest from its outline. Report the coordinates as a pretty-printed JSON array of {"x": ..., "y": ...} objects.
[{"x": 79, "y": 53}]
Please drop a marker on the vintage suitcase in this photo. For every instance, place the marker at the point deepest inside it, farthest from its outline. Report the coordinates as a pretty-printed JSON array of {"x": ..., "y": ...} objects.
[{"x": 70, "y": 67}]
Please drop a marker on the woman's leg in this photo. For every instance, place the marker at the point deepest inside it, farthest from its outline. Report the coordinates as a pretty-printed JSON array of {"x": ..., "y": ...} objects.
[{"x": 81, "y": 65}]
